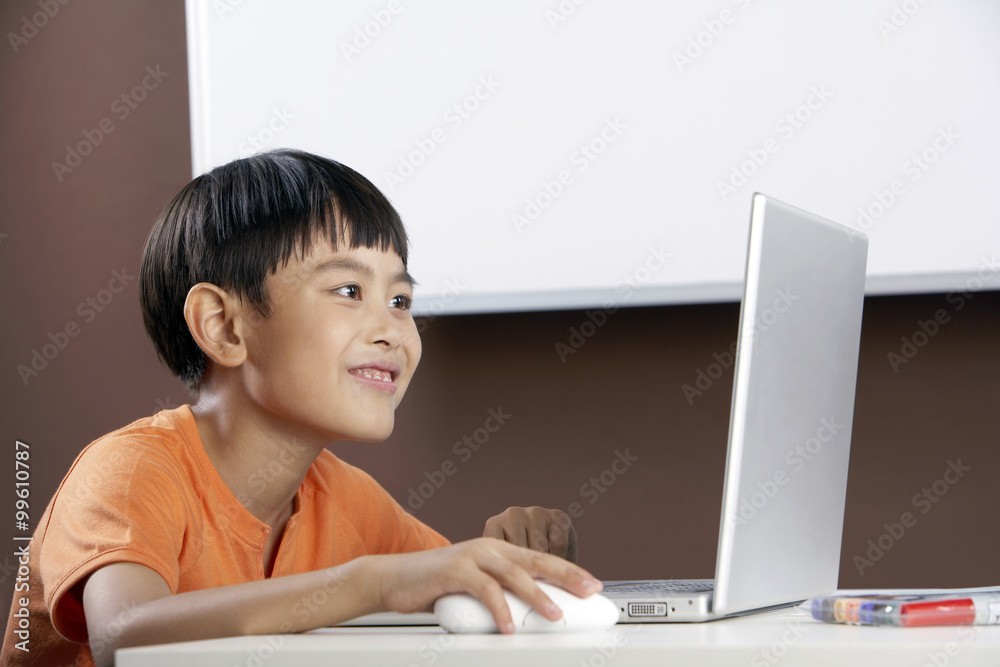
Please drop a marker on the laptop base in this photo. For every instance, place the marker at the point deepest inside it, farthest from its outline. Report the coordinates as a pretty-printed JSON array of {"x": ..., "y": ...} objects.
[{"x": 672, "y": 601}]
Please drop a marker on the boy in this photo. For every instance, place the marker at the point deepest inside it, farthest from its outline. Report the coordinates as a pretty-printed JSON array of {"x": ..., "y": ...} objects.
[{"x": 276, "y": 288}]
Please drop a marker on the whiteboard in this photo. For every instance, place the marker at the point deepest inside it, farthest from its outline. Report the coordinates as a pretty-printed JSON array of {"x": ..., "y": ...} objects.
[{"x": 570, "y": 154}]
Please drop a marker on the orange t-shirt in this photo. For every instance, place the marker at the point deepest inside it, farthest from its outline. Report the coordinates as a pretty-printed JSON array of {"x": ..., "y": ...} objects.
[{"x": 149, "y": 494}]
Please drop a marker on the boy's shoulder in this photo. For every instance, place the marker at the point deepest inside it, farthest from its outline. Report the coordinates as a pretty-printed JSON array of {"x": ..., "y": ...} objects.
[
  {"x": 167, "y": 429},
  {"x": 160, "y": 444},
  {"x": 166, "y": 426}
]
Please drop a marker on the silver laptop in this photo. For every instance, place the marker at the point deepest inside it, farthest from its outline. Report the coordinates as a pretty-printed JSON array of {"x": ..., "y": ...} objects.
[{"x": 789, "y": 429}]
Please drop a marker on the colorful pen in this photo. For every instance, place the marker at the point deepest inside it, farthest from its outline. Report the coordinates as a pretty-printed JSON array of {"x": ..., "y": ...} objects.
[{"x": 910, "y": 611}]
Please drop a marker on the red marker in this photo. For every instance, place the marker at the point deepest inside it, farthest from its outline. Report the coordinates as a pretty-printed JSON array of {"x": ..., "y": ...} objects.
[{"x": 937, "y": 612}]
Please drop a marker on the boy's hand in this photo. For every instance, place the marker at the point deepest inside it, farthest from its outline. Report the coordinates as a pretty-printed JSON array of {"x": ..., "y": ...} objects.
[
  {"x": 482, "y": 567},
  {"x": 536, "y": 528}
]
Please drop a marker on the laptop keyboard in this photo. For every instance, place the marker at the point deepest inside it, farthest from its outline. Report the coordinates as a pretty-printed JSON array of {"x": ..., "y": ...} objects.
[{"x": 660, "y": 585}]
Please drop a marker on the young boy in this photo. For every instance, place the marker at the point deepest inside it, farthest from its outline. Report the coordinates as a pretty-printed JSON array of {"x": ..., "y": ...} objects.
[{"x": 276, "y": 288}]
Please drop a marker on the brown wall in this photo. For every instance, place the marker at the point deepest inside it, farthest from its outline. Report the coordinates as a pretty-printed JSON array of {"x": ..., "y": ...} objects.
[{"x": 62, "y": 241}]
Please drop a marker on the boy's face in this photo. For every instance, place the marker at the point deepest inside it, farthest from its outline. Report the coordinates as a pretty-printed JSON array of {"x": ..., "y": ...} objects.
[{"x": 339, "y": 349}]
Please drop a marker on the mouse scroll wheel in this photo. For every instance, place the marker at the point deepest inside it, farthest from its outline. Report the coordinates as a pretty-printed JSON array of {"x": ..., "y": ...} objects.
[{"x": 535, "y": 620}]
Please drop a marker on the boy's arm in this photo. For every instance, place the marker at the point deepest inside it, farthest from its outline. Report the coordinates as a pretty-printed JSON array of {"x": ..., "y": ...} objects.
[
  {"x": 127, "y": 604},
  {"x": 536, "y": 528}
]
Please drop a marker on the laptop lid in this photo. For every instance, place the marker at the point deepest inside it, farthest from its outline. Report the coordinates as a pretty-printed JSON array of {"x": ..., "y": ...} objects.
[{"x": 792, "y": 409}]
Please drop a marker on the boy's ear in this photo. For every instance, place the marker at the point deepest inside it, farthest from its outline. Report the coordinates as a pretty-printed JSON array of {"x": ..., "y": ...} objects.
[{"x": 212, "y": 316}]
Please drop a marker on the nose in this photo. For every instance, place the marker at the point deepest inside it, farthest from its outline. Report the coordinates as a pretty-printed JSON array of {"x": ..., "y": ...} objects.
[{"x": 386, "y": 329}]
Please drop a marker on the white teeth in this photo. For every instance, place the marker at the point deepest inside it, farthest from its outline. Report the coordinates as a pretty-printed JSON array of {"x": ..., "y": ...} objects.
[{"x": 375, "y": 374}]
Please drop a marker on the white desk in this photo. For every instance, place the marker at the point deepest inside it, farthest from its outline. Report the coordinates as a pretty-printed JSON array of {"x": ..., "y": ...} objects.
[{"x": 789, "y": 638}]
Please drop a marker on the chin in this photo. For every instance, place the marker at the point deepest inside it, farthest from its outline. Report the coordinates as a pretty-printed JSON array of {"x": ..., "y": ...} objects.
[{"x": 375, "y": 433}]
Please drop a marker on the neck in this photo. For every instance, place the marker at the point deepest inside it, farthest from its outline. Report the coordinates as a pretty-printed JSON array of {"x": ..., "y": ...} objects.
[{"x": 258, "y": 456}]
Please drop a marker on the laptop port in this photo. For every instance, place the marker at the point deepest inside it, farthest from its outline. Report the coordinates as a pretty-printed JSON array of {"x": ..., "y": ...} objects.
[{"x": 636, "y": 609}]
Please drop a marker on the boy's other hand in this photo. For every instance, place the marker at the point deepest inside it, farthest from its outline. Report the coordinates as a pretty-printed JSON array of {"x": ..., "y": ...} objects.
[
  {"x": 536, "y": 528},
  {"x": 481, "y": 567}
]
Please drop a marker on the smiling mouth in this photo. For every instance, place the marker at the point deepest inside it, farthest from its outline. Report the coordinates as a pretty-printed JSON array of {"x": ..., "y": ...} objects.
[{"x": 372, "y": 374}]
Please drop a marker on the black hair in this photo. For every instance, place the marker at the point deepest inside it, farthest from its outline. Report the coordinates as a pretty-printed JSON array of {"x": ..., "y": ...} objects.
[{"x": 235, "y": 225}]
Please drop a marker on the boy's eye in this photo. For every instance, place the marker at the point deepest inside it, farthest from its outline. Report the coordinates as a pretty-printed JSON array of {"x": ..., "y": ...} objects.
[
  {"x": 350, "y": 291},
  {"x": 402, "y": 302}
]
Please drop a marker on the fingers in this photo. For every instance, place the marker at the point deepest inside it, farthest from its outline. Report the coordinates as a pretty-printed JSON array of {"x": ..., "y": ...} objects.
[
  {"x": 536, "y": 528},
  {"x": 538, "y": 539},
  {"x": 532, "y": 527},
  {"x": 557, "y": 540},
  {"x": 560, "y": 572},
  {"x": 489, "y": 592},
  {"x": 512, "y": 525},
  {"x": 508, "y": 526},
  {"x": 516, "y": 569},
  {"x": 507, "y": 572},
  {"x": 562, "y": 537},
  {"x": 494, "y": 527}
]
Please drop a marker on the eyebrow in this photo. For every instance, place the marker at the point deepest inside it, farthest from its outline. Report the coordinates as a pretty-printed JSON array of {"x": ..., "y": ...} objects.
[{"x": 354, "y": 265}]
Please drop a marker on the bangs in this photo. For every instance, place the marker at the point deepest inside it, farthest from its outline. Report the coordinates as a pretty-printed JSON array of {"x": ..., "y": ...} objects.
[{"x": 271, "y": 206}]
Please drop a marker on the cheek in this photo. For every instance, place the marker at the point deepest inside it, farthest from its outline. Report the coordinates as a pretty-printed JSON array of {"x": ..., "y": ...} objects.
[
  {"x": 413, "y": 346},
  {"x": 271, "y": 369},
  {"x": 292, "y": 352},
  {"x": 413, "y": 349}
]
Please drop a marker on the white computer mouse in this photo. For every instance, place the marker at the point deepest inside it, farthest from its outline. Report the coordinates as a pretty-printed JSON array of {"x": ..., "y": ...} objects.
[{"x": 463, "y": 613}]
